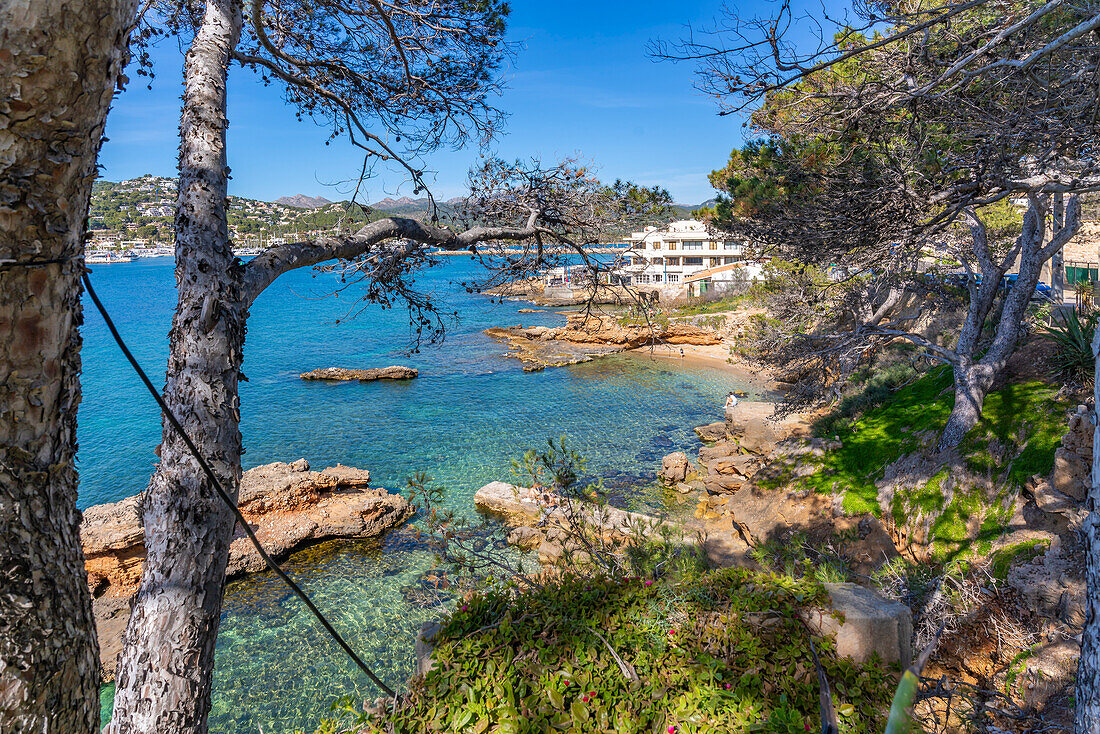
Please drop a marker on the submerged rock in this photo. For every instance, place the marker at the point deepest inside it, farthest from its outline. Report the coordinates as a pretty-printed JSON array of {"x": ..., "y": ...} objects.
[
  {"x": 675, "y": 467},
  {"x": 393, "y": 372}
]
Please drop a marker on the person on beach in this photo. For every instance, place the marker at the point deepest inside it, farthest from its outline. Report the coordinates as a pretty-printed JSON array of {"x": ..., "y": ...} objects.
[
  {"x": 681, "y": 352},
  {"x": 731, "y": 401}
]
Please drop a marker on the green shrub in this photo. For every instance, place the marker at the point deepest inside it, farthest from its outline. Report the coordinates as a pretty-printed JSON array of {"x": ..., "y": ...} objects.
[
  {"x": 1073, "y": 339},
  {"x": 725, "y": 651}
]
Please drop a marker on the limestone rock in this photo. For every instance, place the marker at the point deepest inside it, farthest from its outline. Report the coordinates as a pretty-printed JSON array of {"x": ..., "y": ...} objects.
[
  {"x": 112, "y": 537},
  {"x": 675, "y": 467},
  {"x": 111, "y": 615},
  {"x": 287, "y": 507},
  {"x": 712, "y": 431},
  {"x": 755, "y": 428},
  {"x": 1070, "y": 474},
  {"x": 725, "y": 544},
  {"x": 285, "y": 504},
  {"x": 720, "y": 450},
  {"x": 742, "y": 465},
  {"x": 526, "y": 538},
  {"x": 722, "y": 484},
  {"x": 1049, "y": 672},
  {"x": 394, "y": 372},
  {"x": 425, "y": 645},
  {"x": 872, "y": 624},
  {"x": 1053, "y": 584},
  {"x": 524, "y": 506},
  {"x": 767, "y": 514}
]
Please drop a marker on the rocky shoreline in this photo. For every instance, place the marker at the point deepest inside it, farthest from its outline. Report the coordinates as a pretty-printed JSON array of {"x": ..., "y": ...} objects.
[
  {"x": 534, "y": 290},
  {"x": 287, "y": 505},
  {"x": 586, "y": 336}
]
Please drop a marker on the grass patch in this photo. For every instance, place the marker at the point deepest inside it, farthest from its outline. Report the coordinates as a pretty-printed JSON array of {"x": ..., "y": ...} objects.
[
  {"x": 1015, "y": 440},
  {"x": 1015, "y": 555},
  {"x": 718, "y": 305},
  {"x": 723, "y": 651},
  {"x": 879, "y": 436}
]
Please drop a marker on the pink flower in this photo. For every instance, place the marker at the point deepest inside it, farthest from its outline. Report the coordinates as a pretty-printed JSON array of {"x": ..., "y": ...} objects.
[
  {"x": 728, "y": 686},
  {"x": 465, "y": 607},
  {"x": 672, "y": 730},
  {"x": 584, "y": 698},
  {"x": 649, "y": 582}
]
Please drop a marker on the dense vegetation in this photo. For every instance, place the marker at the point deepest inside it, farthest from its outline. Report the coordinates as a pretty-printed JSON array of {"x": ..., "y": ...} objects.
[{"x": 722, "y": 651}]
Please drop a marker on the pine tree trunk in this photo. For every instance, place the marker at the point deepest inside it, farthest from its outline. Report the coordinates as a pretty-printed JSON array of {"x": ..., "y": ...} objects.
[
  {"x": 1088, "y": 667},
  {"x": 972, "y": 382},
  {"x": 974, "y": 379},
  {"x": 59, "y": 62},
  {"x": 164, "y": 673}
]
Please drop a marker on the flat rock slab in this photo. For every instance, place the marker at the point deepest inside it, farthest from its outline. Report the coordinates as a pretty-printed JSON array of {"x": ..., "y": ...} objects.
[
  {"x": 521, "y": 506},
  {"x": 872, "y": 625},
  {"x": 394, "y": 372}
]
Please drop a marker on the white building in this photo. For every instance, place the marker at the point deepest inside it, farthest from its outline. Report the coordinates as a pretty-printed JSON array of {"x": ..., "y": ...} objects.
[{"x": 683, "y": 257}]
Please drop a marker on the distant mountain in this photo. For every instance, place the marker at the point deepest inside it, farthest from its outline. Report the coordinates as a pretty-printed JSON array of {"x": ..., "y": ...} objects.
[
  {"x": 301, "y": 201},
  {"x": 404, "y": 202},
  {"x": 684, "y": 210}
]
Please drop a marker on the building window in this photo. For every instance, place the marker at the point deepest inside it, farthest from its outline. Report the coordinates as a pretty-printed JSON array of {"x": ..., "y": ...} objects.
[
  {"x": 693, "y": 245},
  {"x": 672, "y": 261},
  {"x": 656, "y": 245},
  {"x": 693, "y": 261},
  {"x": 672, "y": 278},
  {"x": 657, "y": 278},
  {"x": 736, "y": 246},
  {"x": 715, "y": 261},
  {"x": 658, "y": 261},
  {"x": 713, "y": 245},
  {"x": 672, "y": 245},
  {"x": 641, "y": 278},
  {"x": 730, "y": 260}
]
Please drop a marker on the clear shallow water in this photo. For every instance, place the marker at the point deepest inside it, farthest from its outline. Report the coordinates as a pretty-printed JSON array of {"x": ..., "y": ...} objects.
[{"x": 462, "y": 421}]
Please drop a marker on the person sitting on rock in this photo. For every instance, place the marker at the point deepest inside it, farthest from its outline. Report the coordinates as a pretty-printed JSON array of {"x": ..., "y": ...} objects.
[{"x": 731, "y": 401}]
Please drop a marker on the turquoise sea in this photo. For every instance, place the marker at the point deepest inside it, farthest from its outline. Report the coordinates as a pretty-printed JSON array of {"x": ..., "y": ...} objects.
[{"x": 462, "y": 421}]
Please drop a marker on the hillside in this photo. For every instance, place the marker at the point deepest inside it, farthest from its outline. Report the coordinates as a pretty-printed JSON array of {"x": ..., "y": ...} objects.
[{"x": 141, "y": 209}]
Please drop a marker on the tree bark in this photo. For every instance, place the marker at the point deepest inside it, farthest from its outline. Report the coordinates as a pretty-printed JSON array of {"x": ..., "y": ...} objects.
[
  {"x": 1087, "y": 693},
  {"x": 974, "y": 379},
  {"x": 165, "y": 670},
  {"x": 1057, "y": 263},
  {"x": 59, "y": 63}
]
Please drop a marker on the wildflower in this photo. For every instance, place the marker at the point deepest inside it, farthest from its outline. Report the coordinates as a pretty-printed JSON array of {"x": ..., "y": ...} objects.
[
  {"x": 649, "y": 582},
  {"x": 672, "y": 730},
  {"x": 465, "y": 607},
  {"x": 728, "y": 686}
]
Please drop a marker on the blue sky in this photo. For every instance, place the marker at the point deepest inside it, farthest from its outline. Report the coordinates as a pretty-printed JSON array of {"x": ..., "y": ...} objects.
[{"x": 581, "y": 84}]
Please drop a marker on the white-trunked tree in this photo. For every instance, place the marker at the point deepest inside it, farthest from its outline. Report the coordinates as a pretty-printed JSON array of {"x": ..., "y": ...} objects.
[
  {"x": 400, "y": 79},
  {"x": 60, "y": 61}
]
